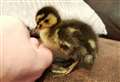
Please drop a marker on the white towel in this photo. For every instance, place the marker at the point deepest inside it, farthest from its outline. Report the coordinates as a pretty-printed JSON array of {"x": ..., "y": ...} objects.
[{"x": 68, "y": 9}]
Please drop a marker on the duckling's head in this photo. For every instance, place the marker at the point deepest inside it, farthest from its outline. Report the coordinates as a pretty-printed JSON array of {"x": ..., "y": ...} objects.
[{"x": 47, "y": 17}]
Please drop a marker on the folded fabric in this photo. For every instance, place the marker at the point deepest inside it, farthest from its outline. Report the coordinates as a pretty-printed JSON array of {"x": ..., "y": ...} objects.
[{"x": 68, "y": 9}]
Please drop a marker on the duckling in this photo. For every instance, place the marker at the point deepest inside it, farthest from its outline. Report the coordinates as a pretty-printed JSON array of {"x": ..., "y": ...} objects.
[
  {"x": 71, "y": 41},
  {"x": 77, "y": 46}
]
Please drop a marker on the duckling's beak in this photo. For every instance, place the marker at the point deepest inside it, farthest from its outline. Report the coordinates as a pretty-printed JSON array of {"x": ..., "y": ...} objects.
[{"x": 35, "y": 33}]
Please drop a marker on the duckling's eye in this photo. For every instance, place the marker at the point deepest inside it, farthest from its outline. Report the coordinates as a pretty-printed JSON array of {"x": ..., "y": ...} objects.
[
  {"x": 39, "y": 26},
  {"x": 46, "y": 21}
]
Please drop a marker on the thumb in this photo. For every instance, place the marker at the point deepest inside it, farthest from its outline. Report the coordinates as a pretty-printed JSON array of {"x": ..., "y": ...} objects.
[{"x": 44, "y": 55}]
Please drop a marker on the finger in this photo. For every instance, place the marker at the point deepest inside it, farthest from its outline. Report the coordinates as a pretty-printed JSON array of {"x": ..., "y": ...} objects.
[
  {"x": 43, "y": 59},
  {"x": 45, "y": 55}
]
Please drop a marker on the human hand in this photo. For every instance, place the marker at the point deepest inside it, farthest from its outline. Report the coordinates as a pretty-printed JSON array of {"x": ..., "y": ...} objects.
[{"x": 22, "y": 58}]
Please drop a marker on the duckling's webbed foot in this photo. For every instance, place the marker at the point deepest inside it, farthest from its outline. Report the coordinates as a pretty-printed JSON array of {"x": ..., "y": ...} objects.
[
  {"x": 71, "y": 67},
  {"x": 62, "y": 71},
  {"x": 58, "y": 70}
]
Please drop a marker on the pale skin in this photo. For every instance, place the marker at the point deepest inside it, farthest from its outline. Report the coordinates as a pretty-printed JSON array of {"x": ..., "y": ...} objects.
[{"x": 22, "y": 58}]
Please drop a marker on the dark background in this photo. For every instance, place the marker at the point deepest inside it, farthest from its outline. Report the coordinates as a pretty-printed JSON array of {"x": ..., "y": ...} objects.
[{"x": 109, "y": 11}]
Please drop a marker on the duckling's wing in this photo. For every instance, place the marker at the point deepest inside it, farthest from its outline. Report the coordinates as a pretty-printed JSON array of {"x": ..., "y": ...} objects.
[
  {"x": 66, "y": 38},
  {"x": 82, "y": 38}
]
